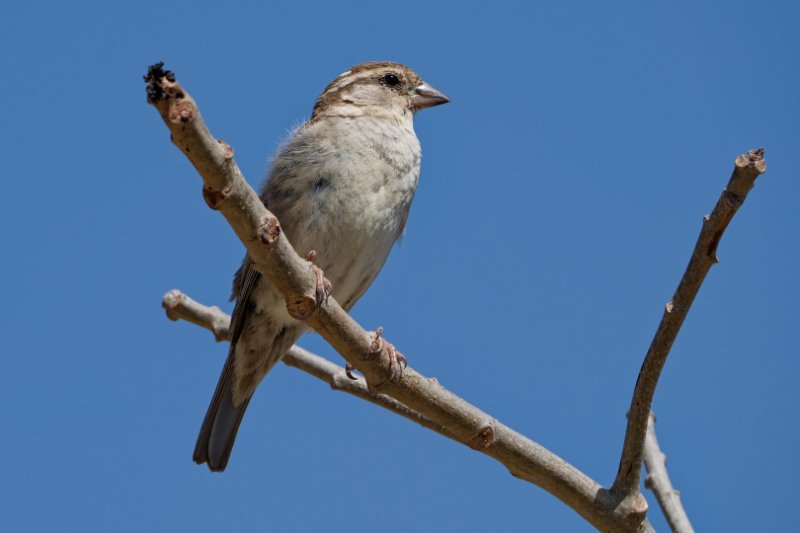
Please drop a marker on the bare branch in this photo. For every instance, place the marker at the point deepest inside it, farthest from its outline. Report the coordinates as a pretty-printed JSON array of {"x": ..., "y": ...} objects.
[
  {"x": 179, "y": 306},
  {"x": 747, "y": 168},
  {"x": 658, "y": 481},
  {"x": 259, "y": 230}
]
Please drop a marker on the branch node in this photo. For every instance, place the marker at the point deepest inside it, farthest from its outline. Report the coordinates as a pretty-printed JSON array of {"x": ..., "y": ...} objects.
[
  {"x": 214, "y": 199},
  {"x": 269, "y": 231},
  {"x": 182, "y": 112},
  {"x": 483, "y": 439},
  {"x": 227, "y": 149},
  {"x": 732, "y": 199},
  {"x": 301, "y": 309}
]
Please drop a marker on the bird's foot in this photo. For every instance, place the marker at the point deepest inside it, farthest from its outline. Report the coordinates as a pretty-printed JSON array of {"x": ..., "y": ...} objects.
[
  {"x": 397, "y": 361},
  {"x": 324, "y": 287},
  {"x": 348, "y": 370}
]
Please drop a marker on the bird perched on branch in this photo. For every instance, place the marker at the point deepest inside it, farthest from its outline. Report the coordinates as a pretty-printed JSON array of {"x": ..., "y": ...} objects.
[{"x": 341, "y": 187}]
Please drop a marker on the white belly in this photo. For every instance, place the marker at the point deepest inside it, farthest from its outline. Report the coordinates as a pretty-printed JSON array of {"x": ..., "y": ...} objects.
[{"x": 346, "y": 194}]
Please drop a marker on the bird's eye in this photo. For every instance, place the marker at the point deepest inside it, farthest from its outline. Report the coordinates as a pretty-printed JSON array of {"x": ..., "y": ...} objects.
[{"x": 391, "y": 80}]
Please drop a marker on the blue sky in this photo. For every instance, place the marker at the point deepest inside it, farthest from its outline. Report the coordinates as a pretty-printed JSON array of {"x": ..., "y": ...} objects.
[{"x": 560, "y": 197}]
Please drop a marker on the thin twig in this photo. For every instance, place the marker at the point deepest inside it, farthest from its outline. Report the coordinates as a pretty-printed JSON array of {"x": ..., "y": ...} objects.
[
  {"x": 658, "y": 481},
  {"x": 226, "y": 190},
  {"x": 179, "y": 306},
  {"x": 747, "y": 168}
]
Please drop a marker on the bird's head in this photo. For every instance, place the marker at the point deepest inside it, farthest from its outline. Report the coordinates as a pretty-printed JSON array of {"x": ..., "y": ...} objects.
[{"x": 380, "y": 86}]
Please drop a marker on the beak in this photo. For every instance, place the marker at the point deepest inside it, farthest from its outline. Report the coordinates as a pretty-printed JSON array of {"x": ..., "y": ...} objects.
[{"x": 426, "y": 96}]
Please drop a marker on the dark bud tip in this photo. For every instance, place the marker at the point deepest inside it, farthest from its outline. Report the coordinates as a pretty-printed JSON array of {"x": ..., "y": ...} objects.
[{"x": 155, "y": 73}]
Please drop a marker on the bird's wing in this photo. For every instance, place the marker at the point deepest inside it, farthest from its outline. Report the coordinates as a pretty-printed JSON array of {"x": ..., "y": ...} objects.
[{"x": 243, "y": 282}]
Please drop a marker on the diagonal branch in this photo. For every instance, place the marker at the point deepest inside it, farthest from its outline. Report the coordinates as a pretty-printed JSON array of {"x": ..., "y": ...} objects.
[
  {"x": 658, "y": 481},
  {"x": 179, "y": 306},
  {"x": 226, "y": 190},
  {"x": 747, "y": 168}
]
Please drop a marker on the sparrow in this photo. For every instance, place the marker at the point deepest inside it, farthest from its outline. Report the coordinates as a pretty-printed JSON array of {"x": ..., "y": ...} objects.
[{"x": 341, "y": 187}]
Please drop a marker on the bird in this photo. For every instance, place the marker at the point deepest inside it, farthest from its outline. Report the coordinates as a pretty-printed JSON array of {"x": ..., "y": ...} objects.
[{"x": 341, "y": 186}]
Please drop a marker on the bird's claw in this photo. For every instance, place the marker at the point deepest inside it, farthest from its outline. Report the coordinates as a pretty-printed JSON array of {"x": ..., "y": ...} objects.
[
  {"x": 397, "y": 361},
  {"x": 324, "y": 288},
  {"x": 348, "y": 370}
]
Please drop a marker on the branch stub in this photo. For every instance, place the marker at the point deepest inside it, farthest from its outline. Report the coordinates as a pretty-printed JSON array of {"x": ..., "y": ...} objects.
[
  {"x": 214, "y": 198},
  {"x": 269, "y": 231},
  {"x": 301, "y": 309},
  {"x": 482, "y": 440},
  {"x": 227, "y": 149}
]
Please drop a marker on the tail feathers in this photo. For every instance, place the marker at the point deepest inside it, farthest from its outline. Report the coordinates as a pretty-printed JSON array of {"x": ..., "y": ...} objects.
[
  {"x": 215, "y": 442},
  {"x": 218, "y": 433}
]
